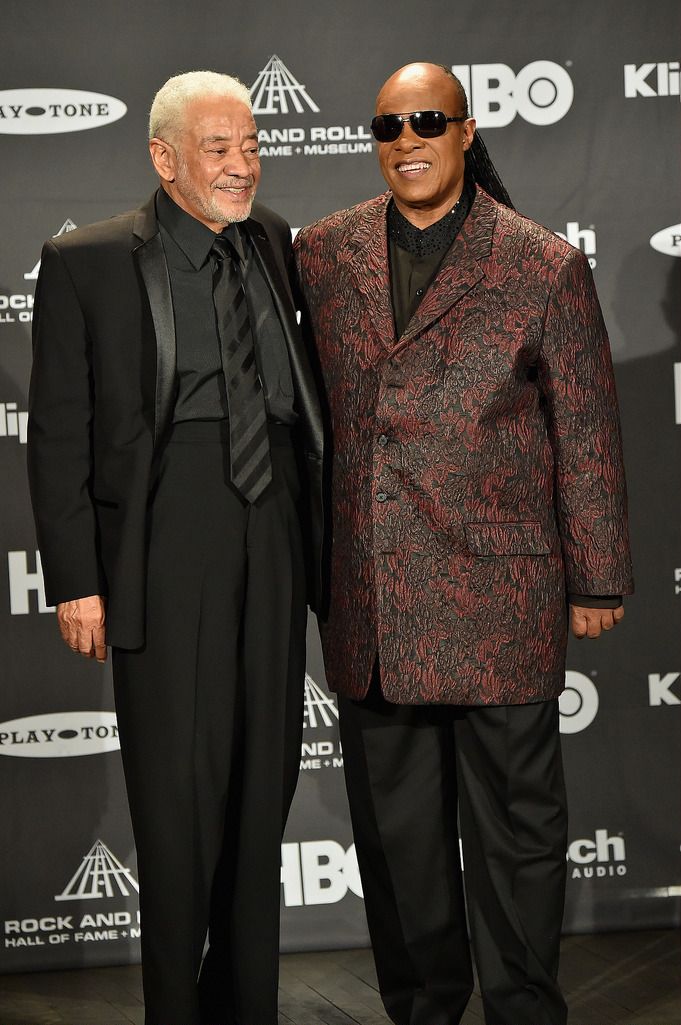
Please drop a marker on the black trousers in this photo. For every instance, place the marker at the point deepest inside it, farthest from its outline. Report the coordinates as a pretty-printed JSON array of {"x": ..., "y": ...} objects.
[
  {"x": 210, "y": 715},
  {"x": 407, "y": 769}
]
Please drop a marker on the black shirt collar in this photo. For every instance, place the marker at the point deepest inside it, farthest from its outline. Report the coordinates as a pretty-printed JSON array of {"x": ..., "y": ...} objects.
[
  {"x": 194, "y": 238},
  {"x": 436, "y": 238}
]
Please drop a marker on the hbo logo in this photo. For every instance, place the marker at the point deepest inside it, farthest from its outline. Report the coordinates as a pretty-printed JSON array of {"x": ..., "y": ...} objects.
[
  {"x": 318, "y": 872},
  {"x": 541, "y": 92}
]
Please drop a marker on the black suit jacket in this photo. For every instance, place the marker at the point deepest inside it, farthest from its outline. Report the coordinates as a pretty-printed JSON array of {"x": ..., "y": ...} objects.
[{"x": 101, "y": 399}]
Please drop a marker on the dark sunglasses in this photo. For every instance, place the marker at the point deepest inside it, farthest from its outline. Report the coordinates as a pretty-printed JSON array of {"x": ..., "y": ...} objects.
[{"x": 427, "y": 124}]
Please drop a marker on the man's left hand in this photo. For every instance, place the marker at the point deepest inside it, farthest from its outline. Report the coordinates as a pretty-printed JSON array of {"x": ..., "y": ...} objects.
[{"x": 590, "y": 622}]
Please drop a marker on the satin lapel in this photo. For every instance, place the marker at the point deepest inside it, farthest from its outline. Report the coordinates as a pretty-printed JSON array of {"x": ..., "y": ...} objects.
[
  {"x": 461, "y": 269},
  {"x": 278, "y": 282},
  {"x": 367, "y": 254},
  {"x": 280, "y": 288},
  {"x": 150, "y": 257}
]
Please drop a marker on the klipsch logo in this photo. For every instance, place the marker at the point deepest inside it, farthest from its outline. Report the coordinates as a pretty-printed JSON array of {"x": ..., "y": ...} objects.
[
  {"x": 578, "y": 703},
  {"x": 276, "y": 91},
  {"x": 59, "y": 735},
  {"x": 50, "y": 111},
  {"x": 541, "y": 92},
  {"x": 661, "y": 79},
  {"x": 581, "y": 238},
  {"x": 605, "y": 855},
  {"x": 660, "y": 689}
]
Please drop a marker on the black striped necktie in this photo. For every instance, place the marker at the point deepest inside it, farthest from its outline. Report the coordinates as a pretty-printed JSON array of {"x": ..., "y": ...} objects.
[{"x": 249, "y": 447}]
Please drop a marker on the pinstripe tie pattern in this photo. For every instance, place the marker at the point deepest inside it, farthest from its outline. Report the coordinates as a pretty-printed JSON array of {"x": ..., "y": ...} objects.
[{"x": 249, "y": 448}]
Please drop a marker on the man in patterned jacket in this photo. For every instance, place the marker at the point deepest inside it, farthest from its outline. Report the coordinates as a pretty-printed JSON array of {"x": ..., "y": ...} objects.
[{"x": 479, "y": 508}]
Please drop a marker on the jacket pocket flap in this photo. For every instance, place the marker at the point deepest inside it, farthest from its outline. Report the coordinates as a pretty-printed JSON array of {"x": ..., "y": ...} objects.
[{"x": 507, "y": 539}]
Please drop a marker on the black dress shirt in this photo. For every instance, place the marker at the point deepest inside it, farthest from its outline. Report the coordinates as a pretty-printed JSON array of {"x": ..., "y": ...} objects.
[
  {"x": 201, "y": 393},
  {"x": 416, "y": 254}
]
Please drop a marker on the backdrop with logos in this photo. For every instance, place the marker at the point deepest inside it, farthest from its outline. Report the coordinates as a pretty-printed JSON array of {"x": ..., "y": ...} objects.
[{"x": 578, "y": 105}]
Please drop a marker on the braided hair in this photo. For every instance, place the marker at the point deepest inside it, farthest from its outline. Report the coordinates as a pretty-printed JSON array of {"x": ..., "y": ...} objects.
[{"x": 479, "y": 166}]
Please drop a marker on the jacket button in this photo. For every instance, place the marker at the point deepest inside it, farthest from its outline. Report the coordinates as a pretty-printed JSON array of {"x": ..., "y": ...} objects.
[
  {"x": 383, "y": 440},
  {"x": 381, "y": 496}
]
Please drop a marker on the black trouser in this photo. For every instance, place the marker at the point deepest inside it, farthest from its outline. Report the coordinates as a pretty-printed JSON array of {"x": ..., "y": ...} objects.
[
  {"x": 210, "y": 715},
  {"x": 407, "y": 769}
]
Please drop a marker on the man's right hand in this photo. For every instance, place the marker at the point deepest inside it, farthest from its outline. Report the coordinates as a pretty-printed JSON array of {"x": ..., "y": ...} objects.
[{"x": 81, "y": 623}]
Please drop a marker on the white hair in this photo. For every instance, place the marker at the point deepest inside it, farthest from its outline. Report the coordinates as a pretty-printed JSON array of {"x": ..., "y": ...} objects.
[{"x": 167, "y": 111}]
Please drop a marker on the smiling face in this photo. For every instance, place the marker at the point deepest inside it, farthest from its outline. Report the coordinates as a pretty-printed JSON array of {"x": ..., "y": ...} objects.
[
  {"x": 212, "y": 168},
  {"x": 425, "y": 175}
]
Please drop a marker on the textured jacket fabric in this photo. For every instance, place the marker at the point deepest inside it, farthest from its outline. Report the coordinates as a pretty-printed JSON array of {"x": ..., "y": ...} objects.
[
  {"x": 477, "y": 468},
  {"x": 101, "y": 400}
]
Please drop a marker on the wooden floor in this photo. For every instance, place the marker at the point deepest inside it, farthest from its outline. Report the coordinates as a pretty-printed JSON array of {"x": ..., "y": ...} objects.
[{"x": 610, "y": 979}]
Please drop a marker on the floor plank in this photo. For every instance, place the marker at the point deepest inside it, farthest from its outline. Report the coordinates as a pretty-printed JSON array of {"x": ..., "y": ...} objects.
[{"x": 608, "y": 979}]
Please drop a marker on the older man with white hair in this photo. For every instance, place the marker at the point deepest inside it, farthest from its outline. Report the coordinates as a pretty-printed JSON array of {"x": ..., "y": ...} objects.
[{"x": 175, "y": 450}]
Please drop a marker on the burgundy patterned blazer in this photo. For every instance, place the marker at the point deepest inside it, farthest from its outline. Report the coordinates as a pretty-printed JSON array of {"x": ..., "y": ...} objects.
[{"x": 477, "y": 468}]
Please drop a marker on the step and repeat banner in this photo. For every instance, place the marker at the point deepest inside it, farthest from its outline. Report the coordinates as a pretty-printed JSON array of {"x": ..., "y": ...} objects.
[{"x": 578, "y": 104}]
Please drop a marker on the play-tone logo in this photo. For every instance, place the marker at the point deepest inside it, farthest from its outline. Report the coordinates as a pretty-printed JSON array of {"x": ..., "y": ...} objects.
[
  {"x": 52, "y": 111},
  {"x": 275, "y": 91},
  {"x": 578, "y": 703},
  {"x": 60, "y": 735},
  {"x": 541, "y": 92},
  {"x": 668, "y": 240}
]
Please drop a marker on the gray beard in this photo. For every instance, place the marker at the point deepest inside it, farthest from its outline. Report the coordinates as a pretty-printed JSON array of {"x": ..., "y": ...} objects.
[{"x": 211, "y": 211}]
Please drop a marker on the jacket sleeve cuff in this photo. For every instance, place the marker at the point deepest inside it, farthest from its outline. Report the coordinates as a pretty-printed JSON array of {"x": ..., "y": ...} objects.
[{"x": 595, "y": 601}]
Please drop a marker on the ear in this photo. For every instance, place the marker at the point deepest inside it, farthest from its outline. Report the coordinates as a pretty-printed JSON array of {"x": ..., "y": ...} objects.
[
  {"x": 468, "y": 132},
  {"x": 164, "y": 159}
]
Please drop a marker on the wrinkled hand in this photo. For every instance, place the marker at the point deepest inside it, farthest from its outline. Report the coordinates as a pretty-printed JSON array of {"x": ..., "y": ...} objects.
[
  {"x": 590, "y": 622},
  {"x": 81, "y": 623}
]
